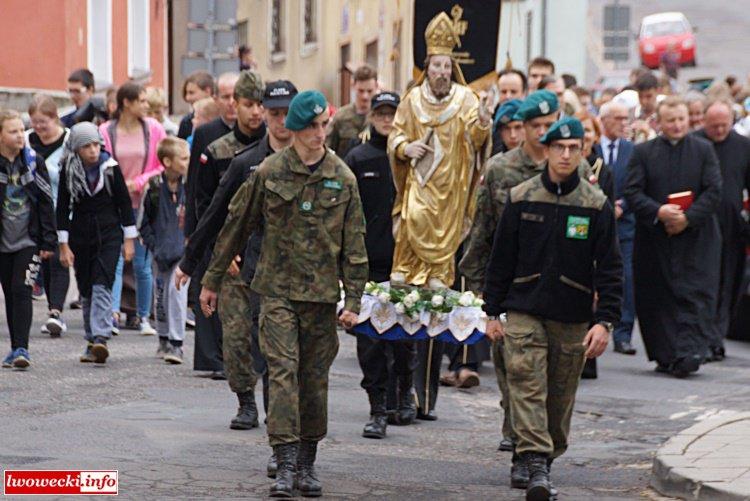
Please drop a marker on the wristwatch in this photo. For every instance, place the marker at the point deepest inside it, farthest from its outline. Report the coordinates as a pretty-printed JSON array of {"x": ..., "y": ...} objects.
[{"x": 607, "y": 325}]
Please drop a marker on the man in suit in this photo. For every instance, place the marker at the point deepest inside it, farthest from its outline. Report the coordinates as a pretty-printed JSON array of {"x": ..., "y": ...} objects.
[{"x": 616, "y": 152}]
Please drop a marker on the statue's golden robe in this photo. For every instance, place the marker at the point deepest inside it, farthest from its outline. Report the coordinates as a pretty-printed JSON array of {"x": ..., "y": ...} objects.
[{"x": 433, "y": 210}]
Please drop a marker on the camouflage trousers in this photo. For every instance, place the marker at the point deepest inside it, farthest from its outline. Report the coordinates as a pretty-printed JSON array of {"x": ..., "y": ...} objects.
[
  {"x": 299, "y": 341},
  {"x": 502, "y": 384},
  {"x": 544, "y": 360},
  {"x": 238, "y": 310}
]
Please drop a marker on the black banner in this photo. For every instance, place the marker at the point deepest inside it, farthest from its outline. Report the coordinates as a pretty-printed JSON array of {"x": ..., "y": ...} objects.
[{"x": 477, "y": 55}]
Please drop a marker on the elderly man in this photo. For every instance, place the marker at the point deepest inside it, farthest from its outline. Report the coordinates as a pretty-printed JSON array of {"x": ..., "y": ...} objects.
[
  {"x": 733, "y": 151},
  {"x": 674, "y": 189},
  {"x": 616, "y": 152}
]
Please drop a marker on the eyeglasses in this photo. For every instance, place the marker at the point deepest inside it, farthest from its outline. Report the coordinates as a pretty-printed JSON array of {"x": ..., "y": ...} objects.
[{"x": 559, "y": 149}]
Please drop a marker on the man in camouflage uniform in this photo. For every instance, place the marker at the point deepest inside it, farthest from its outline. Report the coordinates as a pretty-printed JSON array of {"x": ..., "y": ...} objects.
[
  {"x": 555, "y": 248},
  {"x": 502, "y": 172},
  {"x": 247, "y": 131},
  {"x": 238, "y": 305},
  {"x": 308, "y": 201},
  {"x": 351, "y": 119}
]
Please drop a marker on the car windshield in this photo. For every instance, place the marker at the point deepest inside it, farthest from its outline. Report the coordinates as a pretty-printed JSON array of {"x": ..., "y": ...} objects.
[{"x": 663, "y": 28}]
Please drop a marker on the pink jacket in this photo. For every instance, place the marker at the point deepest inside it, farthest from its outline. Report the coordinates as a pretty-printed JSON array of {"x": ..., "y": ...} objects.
[{"x": 155, "y": 133}]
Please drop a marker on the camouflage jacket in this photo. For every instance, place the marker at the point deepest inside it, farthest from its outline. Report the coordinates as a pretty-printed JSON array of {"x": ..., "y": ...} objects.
[
  {"x": 502, "y": 172},
  {"x": 556, "y": 247},
  {"x": 345, "y": 126},
  {"x": 314, "y": 231}
]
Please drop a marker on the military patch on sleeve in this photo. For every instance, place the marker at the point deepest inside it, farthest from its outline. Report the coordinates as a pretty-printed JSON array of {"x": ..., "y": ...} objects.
[
  {"x": 332, "y": 183},
  {"x": 578, "y": 227},
  {"x": 305, "y": 206},
  {"x": 203, "y": 158}
]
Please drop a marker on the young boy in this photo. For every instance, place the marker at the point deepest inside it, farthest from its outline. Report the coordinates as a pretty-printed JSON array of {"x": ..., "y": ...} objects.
[
  {"x": 93, "y": 215},
  {"x": 27, "y": 231},
  {"x": 162, "y": 232},
  {"x": 157, "y": 106},
  {"x": 204, "y": 111}
]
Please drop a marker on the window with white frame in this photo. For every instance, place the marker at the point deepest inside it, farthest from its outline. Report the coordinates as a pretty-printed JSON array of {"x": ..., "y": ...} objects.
[
  {"x": 276, "y": 31},
  {"x": 139, "y": 38},
  {"x": 309, "y": 16},
  {"x": 99, "y": 41}
]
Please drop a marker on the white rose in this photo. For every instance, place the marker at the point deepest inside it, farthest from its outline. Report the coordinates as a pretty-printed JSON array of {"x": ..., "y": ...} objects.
[
  {"x": 437, "y": 300},
  {"x": 400, "y": 309},
  {"x": 414, "y": 295},
  {"x": 466, "y": 299},
  {"x": 369, "y": 287},
  {"x": 384, "y": 297},
  {"x": 409, "y": 301}
]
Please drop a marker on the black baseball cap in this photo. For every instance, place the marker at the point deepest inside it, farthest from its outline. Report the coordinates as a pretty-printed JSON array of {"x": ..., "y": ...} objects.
[
  {"x": 279, "y": 94},
  {"x": 385, "y": 99}
]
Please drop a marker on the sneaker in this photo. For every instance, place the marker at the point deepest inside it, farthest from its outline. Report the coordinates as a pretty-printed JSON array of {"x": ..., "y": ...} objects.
[
  {"x": 43, "y": 329},
  {"x": 99, "y": 350},
  {"x": 163, "y": 348},
  {"x": 174, "y": 355},
  {"x": 87, "y": 357},
  {"x": 75, "y": 305},
  {"x": 190, "y": 319},
  {"x": 8, "y": 360},
  {"x": 55, "y": 325},
  {"x": 115, "y": 324},
  {"x": 146, "y": 329},
  {"x": 37, "y": 293},
  {"x": 21, "y": 358}
]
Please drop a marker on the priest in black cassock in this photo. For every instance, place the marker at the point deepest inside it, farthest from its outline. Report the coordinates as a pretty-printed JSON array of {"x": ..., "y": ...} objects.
[
  {"x": 733, "y": 151},
  {"x": 676, "y": 254}
]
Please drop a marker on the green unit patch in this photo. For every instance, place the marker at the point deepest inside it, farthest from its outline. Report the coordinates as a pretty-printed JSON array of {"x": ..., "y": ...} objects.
[
  {"x": 578, "y": 227},
  {"x": 332, "y": 183},
  {"x": 306, "y": 206}
]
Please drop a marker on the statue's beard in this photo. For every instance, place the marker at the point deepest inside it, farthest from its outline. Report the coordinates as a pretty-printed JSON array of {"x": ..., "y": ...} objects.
[{"x": 440, "y": 86}]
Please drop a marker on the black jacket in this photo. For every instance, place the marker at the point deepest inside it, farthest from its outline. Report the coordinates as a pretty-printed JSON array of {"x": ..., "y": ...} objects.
[
  {"x": 100, "y": 216},
  {"x": 37, "y": 187},
  {"x": 209, "y": 226},
  {"x": 186, "y": 126},
  {"x": 369, "y": 162},
  {"x": 202, "y": 137},
  {"x": 555, "y": 246}
]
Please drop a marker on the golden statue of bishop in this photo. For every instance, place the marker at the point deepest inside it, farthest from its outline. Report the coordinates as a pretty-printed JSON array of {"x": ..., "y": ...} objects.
[{"x": 437, "y": 148}]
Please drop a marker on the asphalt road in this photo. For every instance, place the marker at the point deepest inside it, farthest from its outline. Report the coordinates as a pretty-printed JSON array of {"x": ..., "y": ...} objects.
[
  {"x": 166, "y": 430},
  {"x": 722, "y": 36}
]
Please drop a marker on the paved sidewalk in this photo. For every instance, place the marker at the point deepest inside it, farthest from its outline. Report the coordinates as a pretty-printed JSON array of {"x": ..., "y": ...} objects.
[{"x": 710, "y": 461}]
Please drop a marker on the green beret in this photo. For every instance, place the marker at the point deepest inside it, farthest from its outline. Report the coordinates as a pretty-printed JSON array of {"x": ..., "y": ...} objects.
[
  {"x": 565, "y": 128},
  {"x": 249, "y": 86},
  {"x": 537, "y": 104},
  {"x": 303, "y": 109}
]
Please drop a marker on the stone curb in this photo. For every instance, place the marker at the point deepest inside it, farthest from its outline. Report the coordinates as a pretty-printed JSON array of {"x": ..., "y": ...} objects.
[{"x": 677, "y": 470}]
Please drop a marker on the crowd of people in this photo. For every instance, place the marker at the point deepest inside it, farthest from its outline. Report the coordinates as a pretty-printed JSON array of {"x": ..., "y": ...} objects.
[{"x": 172, "y": 223}]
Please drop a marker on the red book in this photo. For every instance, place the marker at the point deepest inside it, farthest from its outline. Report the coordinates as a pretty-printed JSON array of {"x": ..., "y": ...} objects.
[{"x": 684, "y": 199}]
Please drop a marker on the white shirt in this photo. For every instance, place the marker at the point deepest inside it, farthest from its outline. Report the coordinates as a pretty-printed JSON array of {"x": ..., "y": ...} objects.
[{"x": 605, "y": 142}]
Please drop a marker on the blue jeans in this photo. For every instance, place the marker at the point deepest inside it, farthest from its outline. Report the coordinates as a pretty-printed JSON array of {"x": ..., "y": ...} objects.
[
  {"x": 144, "y": 281},
  {"x": 624, "y": 328}
]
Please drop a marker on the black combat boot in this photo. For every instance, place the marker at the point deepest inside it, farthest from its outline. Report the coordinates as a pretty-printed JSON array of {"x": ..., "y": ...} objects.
[
  {"x": 539, "y": 488},
  {"x": 271, "y": 466},
  {"x": 286, "y": 455},
  {"x": 519, "y": 472},
  {"x": 247, "y": 414},
  {"x": 307, "y": 480},
  {"x": 407, "y": 409},
  {"x": 375, "y": 428}
]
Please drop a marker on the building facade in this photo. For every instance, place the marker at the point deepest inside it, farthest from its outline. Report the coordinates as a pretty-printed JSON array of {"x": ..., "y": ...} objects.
[{"x": 43, "y": 41}]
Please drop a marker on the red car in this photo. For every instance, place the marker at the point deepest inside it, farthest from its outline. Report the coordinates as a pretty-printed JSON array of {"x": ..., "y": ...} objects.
[{"x": 667, "y": 30}]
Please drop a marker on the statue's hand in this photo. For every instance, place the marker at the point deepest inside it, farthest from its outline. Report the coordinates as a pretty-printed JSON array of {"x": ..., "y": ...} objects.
[{"x": 416, "y": 149}]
